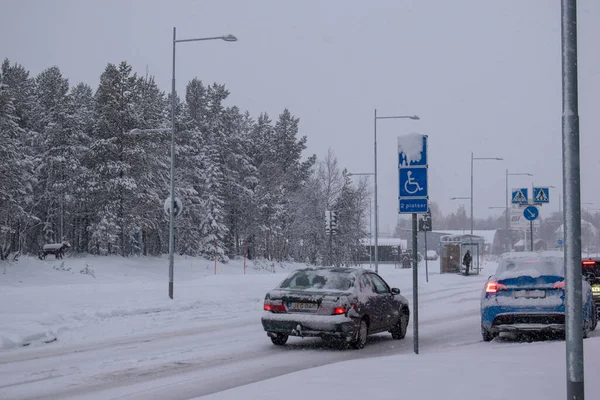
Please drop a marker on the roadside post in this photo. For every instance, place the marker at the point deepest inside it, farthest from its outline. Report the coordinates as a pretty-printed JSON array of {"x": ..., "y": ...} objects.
[
  {"x": 177, "y": 208},
  {"x": 572, "y": 199},
  {"x": 425, "y": 226},
  {"x": 331, "y": 229},
  {"x": 413, "y": 198}
]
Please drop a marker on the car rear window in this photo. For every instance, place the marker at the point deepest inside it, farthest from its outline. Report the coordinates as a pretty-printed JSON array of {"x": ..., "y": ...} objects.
[
  {"x": 323, "y": 280},
  {"x": 530, "y": 267},
  {"x": 591, "y": 266}
]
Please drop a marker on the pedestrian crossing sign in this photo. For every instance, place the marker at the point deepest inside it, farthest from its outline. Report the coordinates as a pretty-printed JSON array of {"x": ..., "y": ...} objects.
[
  {"x": 519, "y": 196},
  {"x": 541, "y": 195}
]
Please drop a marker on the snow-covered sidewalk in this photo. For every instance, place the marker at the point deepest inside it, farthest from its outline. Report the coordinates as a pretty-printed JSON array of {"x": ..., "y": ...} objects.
[
  {"x": 490, "y": 371},
  {"x": 77, "y": 300}
]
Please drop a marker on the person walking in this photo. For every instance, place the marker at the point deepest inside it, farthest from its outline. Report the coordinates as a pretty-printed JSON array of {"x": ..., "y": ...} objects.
[{"x": 467, "y": 261}]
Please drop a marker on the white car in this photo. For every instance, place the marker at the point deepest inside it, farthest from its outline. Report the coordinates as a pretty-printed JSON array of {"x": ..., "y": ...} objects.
[{"x": 432, "y": 255}]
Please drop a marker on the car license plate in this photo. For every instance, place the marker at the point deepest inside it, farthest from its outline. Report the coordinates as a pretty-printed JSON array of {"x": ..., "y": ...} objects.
[
  {"x": 596, "y": 289},
  {"x": 529, "y": 294},
  {"x": 303, "y": 306}
]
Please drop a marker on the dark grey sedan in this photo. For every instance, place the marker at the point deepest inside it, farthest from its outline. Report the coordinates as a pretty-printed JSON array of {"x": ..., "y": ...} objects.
[{"x": 344, "y": 304}]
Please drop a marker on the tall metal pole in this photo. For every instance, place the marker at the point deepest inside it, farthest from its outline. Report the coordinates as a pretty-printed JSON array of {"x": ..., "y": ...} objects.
[
  {"x": 330, "y": 249},
  {"x": 62, "y": 219},
  {"x": 172, "y": 208},
  {"x": 376, "y": 204},
  {"x": 507, "y": 235},
  {"x": 471, "y": 196},
  {"x": 415, "y": 270},
  {"x": 370, "y": 231},
  {"x": 426, "y": 266},
  {"x": 572, "y": 206},
  {"x": 562, "y": 222},
  {"x": 531, "y": 235}
]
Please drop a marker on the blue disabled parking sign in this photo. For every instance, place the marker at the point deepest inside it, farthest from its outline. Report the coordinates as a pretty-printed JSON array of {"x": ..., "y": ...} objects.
[
  {"x": 413, "y": 182},
  {"x": 413, "y": 190}
]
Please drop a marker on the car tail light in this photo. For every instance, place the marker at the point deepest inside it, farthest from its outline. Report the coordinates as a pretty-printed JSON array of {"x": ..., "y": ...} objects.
[
  {"x": 494, "y": 287},
  {"x": 589, "y": 263},
  {"x": 274, "y": 306},
  {"x": 559, "y": 285},
  {"x": 339, "y": 310}
]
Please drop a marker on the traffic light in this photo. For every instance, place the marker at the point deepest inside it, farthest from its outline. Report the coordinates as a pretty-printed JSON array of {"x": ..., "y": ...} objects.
[
  {"x": 331, "y": 222},
  {"x": 334, "y": 223},
  {"x": 425, "y": 224}
]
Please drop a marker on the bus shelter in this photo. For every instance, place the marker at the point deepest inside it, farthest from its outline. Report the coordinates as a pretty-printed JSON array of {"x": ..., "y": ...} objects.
[{"x": 454, "y": 248}]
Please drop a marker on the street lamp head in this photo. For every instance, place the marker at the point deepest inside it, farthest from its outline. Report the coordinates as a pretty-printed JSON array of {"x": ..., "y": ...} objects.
[
  {"x": 135, "y": 131},
  {"x": 499, "y": 158},
  {"x": 415, "y": 117},
  {"x": 229, "y": 38}
]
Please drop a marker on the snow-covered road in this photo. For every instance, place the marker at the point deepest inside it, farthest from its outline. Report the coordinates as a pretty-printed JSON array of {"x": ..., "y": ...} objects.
[{"x": 213, "y": 344}]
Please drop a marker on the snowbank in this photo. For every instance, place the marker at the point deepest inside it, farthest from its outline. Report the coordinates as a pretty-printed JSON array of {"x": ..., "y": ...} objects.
[{"x": 71, "y": 299}]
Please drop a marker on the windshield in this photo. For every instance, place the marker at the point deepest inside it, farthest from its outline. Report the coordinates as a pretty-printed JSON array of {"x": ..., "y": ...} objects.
[
  {"x": 324, "y": 280},
  {"x": 530, "y": 267}
]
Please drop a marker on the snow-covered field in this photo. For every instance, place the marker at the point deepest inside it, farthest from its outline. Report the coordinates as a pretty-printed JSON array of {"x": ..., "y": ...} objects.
[{"x": 117, "y": 335}]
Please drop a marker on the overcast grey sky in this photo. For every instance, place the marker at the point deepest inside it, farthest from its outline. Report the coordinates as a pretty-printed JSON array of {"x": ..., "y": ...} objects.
[{"x": 484, "y": 76}]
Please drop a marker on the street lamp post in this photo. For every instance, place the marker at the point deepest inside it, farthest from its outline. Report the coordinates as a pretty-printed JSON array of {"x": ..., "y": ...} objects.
[
  {"x": 479, "y": 159},
  {"x": 507, "y": 227},
  {"x": 227, "y": 38},
  {"x": 375, "y": 118},
  {"x": 461, "y": 198},
  {"x": 370, "y": 207}
]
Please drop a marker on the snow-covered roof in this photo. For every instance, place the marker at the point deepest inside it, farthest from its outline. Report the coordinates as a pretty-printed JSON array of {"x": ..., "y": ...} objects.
[
  {"x": 487, "y": 235},
  {"x": 584, "y": 224},
  {"x": 385, "y": 242}
]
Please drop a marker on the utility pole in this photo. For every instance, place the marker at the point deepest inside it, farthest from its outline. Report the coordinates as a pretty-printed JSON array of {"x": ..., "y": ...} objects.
[{"x": 572, "y": 206}]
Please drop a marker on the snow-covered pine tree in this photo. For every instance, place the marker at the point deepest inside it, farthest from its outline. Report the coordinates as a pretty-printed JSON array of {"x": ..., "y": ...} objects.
[
  {"x": 119, "y": 159},
  {"x": 350, "y": 205},
  {"x": 22, "y": 88},
  {"x": 281, "y": 173},
  {"x": 149, "y": 157},
  {"x": 213, "y": 229},
  {"x": 80, "y": 106},
  {"x": 189, "y": 168},
  {"x": 308, "y": 235},
  {"x": 16, "y": 177},
  {"x": 240, "y": 177},
  {"x": 213, "y": 193},
  {"x": 258, "y": 212},
  {"x": 57, "y": 157}
]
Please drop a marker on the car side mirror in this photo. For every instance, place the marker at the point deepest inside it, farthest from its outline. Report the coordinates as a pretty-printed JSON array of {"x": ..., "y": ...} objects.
[{"x": 395, "y": 291}]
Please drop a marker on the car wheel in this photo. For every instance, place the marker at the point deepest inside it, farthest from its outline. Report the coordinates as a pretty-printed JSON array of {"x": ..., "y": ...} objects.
[
  {"x": 280, "y": 339},
  {"x": 361, "y": 335},
  {"x": 399, "y": 330},
  {"x": 487, "y": 335}
]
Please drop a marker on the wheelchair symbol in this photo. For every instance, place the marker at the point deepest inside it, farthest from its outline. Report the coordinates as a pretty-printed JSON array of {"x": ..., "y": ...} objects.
[{"x": 412, "y": 184}]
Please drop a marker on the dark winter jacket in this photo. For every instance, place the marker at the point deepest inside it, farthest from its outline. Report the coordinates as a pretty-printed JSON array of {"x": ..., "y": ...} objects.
[{"x": 467, "y": 259}]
